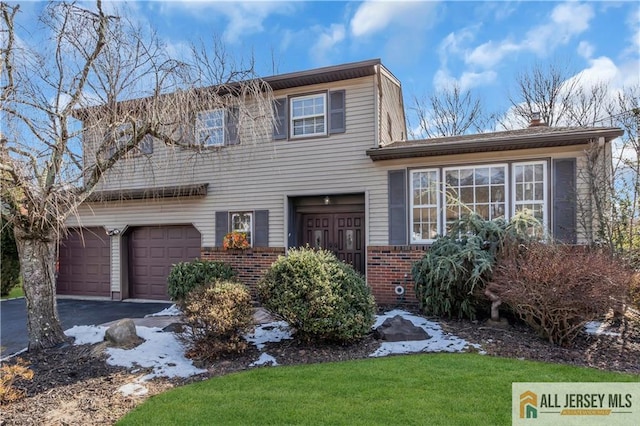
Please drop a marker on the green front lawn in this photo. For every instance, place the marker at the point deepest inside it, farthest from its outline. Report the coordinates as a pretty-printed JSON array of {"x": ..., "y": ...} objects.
[
  {"x": 15, "y": 292},
  {"x": 434, "y": 389}
]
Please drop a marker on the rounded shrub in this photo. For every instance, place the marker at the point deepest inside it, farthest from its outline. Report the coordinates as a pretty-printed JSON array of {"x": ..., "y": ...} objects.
[
  {"x": 216, "y": 317},
  {"x": 10, "y": 270},
  {"x": 322, "y": 298},
  {"x": 187, "y": 276}
]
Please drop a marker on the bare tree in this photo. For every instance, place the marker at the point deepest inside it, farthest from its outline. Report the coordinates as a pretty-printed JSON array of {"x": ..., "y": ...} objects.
[
  {"x": 545, "y": 89},
  {"x": 449, "y": 112},
  {"x": 95, "y": 75}
]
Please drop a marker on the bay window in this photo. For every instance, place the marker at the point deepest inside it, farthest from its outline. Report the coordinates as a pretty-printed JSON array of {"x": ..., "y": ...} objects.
[{"x": 492, "y": 191}]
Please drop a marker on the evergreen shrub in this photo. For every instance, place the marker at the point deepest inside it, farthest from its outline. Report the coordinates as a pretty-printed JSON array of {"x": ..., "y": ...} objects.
[{"x": 322, "y": 298}]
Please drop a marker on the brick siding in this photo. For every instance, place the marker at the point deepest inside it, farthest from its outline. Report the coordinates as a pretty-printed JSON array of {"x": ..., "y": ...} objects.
[
  {"x": 390, "y": 266},
  {"x": 250, "y": 264},
  {"x": 387, "y": 267}
]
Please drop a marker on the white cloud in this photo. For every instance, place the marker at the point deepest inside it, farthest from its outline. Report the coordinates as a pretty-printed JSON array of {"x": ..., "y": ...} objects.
[
  {"x": 585, "y": 49},
  {"x": 242, "y": 18},
  {"x": 375, "y": 16},
  {"x": 566, "y": 21},
  {"x": 327, "y": 39},
  {"x": 467, "y": 80}
]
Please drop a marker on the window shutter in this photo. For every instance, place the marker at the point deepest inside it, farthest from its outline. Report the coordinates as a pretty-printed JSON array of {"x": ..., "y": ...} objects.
[
  {"x": 222, "y": 226},
  {"x": 231, "y": 127},
  {"x": 336, "y": 112},
  {"x": 280, "y": 112},
  {"x": 261, "y": 229},
  {"x": 146, "y": 145},
  {"x": 564, "y": 200},
  {"x": 397, "y": 207}
]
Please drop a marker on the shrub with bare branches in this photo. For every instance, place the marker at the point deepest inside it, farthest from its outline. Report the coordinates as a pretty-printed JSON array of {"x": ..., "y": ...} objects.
[
  {"x": 217, "y": 315},
  {"x": 557, "y": 289}
]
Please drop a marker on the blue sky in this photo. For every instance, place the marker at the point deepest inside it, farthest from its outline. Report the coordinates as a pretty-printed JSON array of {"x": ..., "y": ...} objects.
[{"x": 426, "y": 44}]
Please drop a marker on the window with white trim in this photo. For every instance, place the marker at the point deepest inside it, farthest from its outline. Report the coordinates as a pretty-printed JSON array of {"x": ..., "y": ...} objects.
[
  {"x": 242, "y": 222},
  {"x": 210, "y": 127},
  {"x": 424, "y": 205},
  {"x": 479, "y": 189},
  {"x": 530, "y": 190},
  {"x": 492, "y": 191},
  {"x": 308, "y": 115},
  {"x": 125, "y": 133}
]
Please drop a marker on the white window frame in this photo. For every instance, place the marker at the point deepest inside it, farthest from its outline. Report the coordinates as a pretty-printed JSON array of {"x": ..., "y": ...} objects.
[
  {"x": 506, "y": 168},
  {"x": 436, "y": 205},
  {"x": 293, "y": 118},
  {"x": 545, "y": 190},
  {"x": 127, "y": 133},
  {"x": 204, "y": 131},
  {"x": 249, "y": 232}
]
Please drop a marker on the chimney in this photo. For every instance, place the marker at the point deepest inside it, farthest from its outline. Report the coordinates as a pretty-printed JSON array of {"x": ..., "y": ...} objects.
[{"x": 536, "y": 120}]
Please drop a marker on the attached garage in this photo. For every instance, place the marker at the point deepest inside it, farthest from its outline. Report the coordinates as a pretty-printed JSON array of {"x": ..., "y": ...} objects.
[
  {"x": 83, "y": 263},
  {"x": 152, "y": 250}
]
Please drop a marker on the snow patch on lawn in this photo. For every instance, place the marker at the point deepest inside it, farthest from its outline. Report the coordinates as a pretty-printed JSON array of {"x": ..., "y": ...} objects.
[
  {"x": 264, "y": 359},
  {"x": 439, "y": 341},
  {"x": 171, "y": 311},
  {"x": 270, "y": 332},
  {"x": 598, "y": 328},
  {"x": 160, "y": 351},
  {"x": 133, "y": 389},
  {"x": 86, "y": 334}
]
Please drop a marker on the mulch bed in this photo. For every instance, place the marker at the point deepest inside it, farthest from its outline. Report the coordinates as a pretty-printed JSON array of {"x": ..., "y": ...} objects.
[{"x": 73, "y": 385}]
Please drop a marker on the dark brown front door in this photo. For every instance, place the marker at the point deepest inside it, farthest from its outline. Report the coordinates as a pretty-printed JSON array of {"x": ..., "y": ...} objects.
[
  {"x": 341, "y": 233},
  {"x": 83, "y": 263},
  {"x": 152, "y": 252}
]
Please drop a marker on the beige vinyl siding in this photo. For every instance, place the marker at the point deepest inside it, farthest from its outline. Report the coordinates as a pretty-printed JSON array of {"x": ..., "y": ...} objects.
[
  {"x": 378, "y": 208},
  {"x": 255, "y": 175},
  {"x": 392, "y": 111}
]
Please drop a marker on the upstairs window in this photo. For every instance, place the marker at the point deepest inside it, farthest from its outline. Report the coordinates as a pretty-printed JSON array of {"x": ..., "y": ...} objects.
[
  {"x": 216, "y": 127},
  {"x": 124, "y": 133},
  {"x": 318, "y": 114},
  {"x": 210, "y": 128},
  {"x": 309, "y": 115}
]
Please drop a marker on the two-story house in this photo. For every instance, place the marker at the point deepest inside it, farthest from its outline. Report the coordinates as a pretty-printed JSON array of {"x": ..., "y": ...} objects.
[{"x": 338, "y": 173}]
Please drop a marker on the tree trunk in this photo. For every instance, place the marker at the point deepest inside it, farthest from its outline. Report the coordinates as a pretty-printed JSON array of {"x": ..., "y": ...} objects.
[{"x": 38, "y": 258}]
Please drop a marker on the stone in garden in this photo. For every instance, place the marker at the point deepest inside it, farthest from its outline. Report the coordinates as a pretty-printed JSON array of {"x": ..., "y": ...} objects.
[
  {"x": 399, "y": 329},
  {"x": 123, "y": 334}
]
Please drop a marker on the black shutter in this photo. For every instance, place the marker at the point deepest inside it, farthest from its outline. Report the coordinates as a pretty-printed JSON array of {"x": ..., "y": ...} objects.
[
  {"x": 146, "y": 145},
  {"x": 222, "y": 226},
  {"x": 261, "y": 229},
  {"x": 280, "y": 112},
  {"x": 397, "y": 207},
  {"x": 231, "y": 127},
  {"x": 337, "y": 112},
  {"x": 564, "y": 200}
]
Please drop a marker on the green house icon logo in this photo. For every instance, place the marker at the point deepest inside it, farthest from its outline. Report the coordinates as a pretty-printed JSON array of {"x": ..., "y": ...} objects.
[{"x": 528, "y": 405}]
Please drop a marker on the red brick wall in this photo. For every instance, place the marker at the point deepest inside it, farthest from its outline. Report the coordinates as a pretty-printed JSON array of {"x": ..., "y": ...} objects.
[
  {"x": 386, "y": 268},
  {"x": 390, "y": 266},
  {"x": 250, "y": 264}
]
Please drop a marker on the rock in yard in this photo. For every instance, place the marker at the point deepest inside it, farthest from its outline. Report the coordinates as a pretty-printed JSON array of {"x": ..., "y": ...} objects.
[
  {"x": 122, "y": 334},
  {"x": 398, "y": 329}
]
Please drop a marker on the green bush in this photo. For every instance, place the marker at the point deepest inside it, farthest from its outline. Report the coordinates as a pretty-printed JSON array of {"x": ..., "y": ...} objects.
[
  {"x": 9, "y": 261},
  {"x": 187, "y": 276},
  {"x": 216, "y": 317},
  {"x": 451, "y": 277},
  {"x": 322, "y": 298},
  {"x": 557, "y": 289}
]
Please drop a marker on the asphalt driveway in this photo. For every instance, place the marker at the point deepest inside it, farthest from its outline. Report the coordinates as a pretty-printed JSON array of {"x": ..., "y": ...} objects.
[{"x": 13, "y": 317}]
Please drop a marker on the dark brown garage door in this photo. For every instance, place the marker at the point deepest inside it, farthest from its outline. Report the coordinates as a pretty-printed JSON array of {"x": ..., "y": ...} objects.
[
  {"x": 152, "y": 251},
  {"x": 84, "y": 263}
]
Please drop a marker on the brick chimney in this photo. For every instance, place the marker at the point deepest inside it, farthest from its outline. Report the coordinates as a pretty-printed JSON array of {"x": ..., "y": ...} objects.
[{"x": 536, "y": 120}]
